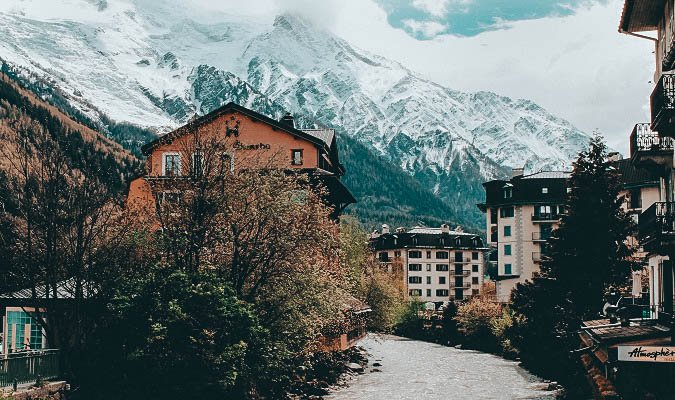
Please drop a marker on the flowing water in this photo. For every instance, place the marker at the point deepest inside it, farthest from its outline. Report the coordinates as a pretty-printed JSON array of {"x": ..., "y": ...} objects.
[{"x": 411, "y": 369}]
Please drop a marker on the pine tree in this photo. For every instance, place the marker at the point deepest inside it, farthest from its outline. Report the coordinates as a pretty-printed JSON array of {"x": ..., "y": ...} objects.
[{"x": 588, "y": 252}]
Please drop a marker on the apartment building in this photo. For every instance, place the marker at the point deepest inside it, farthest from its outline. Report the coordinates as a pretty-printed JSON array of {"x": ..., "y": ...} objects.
[
  {"x": 636, "y": 350},
  {"x": 652, "y": 148},
  {"x": 520, "y": 214},
  {"x": 438, "y": 264}
]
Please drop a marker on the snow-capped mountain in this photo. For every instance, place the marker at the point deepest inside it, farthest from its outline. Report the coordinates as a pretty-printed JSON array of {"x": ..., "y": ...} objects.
[{"x": 155, "y": 63}]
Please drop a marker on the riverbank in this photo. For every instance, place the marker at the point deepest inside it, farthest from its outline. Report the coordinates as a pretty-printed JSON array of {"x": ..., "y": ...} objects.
[{"x": 401, "y": 369}]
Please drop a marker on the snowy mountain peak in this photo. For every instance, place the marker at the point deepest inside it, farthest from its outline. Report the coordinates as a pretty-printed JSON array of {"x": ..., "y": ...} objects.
[{"x": 154, "y": 63}]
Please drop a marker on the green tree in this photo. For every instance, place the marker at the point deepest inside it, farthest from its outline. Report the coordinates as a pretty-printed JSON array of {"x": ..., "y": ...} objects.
[{"x": 589, "y": 251}]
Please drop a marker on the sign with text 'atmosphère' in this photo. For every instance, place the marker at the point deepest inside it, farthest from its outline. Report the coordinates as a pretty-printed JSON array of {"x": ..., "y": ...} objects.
[{"x": 646, "y": 353}]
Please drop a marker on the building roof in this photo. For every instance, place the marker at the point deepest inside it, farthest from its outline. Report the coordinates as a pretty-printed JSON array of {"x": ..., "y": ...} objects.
[
  {"x": 527, "y": 189},
  {"x": 65, "y": 290},
  {"x": 547, "y": 175},
  {"x": 641, "y": 15},
  {"x": 436, "y": 231},
  {"x": 317, "y": 136},
  {"x": 632, "y": 176},
  {"x": 427, "y": 238}
]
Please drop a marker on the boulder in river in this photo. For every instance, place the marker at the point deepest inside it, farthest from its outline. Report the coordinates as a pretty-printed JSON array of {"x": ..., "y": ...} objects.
[{"x": 354, "y": 367}]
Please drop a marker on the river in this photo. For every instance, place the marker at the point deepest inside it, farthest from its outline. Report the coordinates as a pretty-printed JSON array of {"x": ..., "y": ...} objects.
[{"x": 411, "y": 369}]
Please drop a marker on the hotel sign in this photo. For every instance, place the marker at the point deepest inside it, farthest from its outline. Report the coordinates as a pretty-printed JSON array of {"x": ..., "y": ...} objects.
[
  {"x": 259, "y": 146},
  {"x": 646, "y": 353}
]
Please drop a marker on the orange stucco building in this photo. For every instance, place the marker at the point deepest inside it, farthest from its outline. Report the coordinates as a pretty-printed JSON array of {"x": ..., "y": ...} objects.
[{"x": 249, "y": 140}]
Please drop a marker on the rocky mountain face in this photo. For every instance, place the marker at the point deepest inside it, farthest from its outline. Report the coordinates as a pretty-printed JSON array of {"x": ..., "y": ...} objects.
[{"x": 155, "y": 64}]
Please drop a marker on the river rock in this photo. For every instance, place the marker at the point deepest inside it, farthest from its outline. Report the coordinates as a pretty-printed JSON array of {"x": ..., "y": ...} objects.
[
  {"x": 377, "y": 364},
  {"x": 459, "y": 346},
  {"x": 354, "y": 367}
]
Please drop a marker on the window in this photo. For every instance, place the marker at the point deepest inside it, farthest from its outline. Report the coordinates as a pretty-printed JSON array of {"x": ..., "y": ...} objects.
[
  {"x": 428, "y": 254},
  {"x": 227, "y": 162},
  {"x": 635, "y": 199},
  {"x": 459, "y": 256},
  {"x": 507, "y": 249},
  {"x": 414, "y": 279},
  {"x": 397, "y": 254},
  {"x": 475, "y": 268},
  {"x": 441, "y": 280},
  {"x": 442, "y": 292},
  {"x": 474, "y": 255},
  {"x": 428, "y": 280},
  {"x": 428, "y": 267},
  {"x": 415, "y": 267},
  {"x": 428, "y": 292},
  {"x": 415, "y": 292},
  {"x": 507, "y": 230},
  {"x": 169, "y": 198},
  {"x": 507, "y": 269},
  {"x": 459, "y": 294},
  {"x": 415, "y": 254},
  {"x": 296, "y": 157},
  {"x": 197, "y": 161},
  {"x": 459, "y": 269},
  {"x": 474, "y": 280},
  {"x": 442, "y": 267},
  {"x": 442, "y": 255},
  {"x": 24, "y": 329},
  {"x": 544, "y": 190},
  {"x": 475, "y": 292},
  {"x": 506, "y": 212},
  {"x": 384, "y": 256},
  {"x": 508, "y": 192},
  {"x": 171, "y": 164}
]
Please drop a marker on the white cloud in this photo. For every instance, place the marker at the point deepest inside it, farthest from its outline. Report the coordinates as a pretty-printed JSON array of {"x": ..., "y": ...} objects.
[
  {"x": 437, "y": 8},
  {"x": 426, "y": 29},
  {"x": 578, "y": 67}
]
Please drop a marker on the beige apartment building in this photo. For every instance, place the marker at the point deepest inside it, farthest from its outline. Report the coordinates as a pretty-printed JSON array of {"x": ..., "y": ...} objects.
[
  {"x": 438, "y": 264},
  {"x": 520, "y": 214}
]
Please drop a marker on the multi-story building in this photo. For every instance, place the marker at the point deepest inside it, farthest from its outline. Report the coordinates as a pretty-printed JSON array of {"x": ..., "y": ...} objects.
[
  {"x": 251, "y": 141},
  {"x": 521, "y": 213},
  {"x": 652, "y": 147},
  {"x": 438, "y": 264}
]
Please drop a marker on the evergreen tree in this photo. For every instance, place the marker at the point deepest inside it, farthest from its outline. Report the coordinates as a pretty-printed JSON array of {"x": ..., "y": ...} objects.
[{"x": 589, "y": 252}]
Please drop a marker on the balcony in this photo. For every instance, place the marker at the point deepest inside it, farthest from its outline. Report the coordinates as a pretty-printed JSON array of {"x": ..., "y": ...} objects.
[
  {"x": 656, "y": 228},
  {"x": 540, "y": 236},
  {"x": 663, "y": 106},
  {"x": 546, "y": 217},
  {"x": 646, "y": 147},
  {"x": 28, "y": 367},
  {"x": 462, "y": 273}
]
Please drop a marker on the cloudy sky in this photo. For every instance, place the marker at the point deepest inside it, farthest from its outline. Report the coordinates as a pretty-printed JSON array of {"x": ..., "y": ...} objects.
[{"x": 566, "y": 55}]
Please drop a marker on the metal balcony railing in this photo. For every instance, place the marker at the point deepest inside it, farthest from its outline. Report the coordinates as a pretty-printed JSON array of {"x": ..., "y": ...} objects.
[
  {"x": 655, "y": 224},
  {"x": 663, "y": 106},
  {"x": 643, "y": 139},
  {"x": 28, "y": 367},
  {"x": 462, "y": 273},
  {"x": 546, "y": 216}
]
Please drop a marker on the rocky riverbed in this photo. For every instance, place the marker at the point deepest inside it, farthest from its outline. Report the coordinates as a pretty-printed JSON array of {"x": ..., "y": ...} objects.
[{"x": 402, "y": 369}]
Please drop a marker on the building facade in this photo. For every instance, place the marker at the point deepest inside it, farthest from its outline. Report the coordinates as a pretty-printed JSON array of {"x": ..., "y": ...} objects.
[
  {"x": 520, "y": 214},
  {"x": 652, "y": 147},
  {"x": 249, "y": 140},
  {"x": 436, "y": 264}
]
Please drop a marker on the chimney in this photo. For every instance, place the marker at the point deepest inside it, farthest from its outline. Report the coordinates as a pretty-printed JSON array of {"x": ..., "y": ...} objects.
[
  {"x": 288, "y": 120},
  {"x": 445, "y": 228},
  {"x": 375, "y": 234},
  {"x": 614, "y": 156},
  {"x": 400, "y": 229},
  {"x": 385, "y": 229},
  {"x": 459, "y": 229},
  {"x": 515, "y": 172}
]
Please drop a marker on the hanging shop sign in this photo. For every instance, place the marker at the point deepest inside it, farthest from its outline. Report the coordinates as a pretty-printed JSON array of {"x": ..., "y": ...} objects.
[{"x": 646, "y": 353}]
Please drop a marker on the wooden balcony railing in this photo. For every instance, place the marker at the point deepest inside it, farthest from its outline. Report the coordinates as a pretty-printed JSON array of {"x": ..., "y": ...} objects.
[{"x": 663, "y": 106}]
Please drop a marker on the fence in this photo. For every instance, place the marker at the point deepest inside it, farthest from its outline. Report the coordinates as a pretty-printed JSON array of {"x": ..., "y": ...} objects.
[{"x": 28, "y": 367}]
